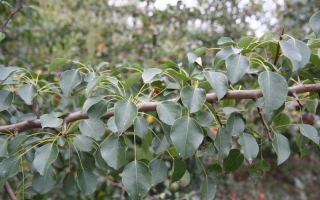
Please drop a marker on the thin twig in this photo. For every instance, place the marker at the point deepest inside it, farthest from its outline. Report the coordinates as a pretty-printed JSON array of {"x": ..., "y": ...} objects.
[
  {"x": 12, "y": 15},
  {"x": 298, "y": 100},
  {"x": 9, "y": 191},
  {"x": 118, "y": 185},
  {"x": 265, "y": 124},
  {"x": 214, "y": 106},
  {"x": 278, "y": 48}
]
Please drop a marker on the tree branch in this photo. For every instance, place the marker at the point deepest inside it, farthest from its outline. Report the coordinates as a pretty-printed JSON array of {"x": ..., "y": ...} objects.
[
  {"x": 12, "y": 15},
  {"x": 211, "y": 98},
  {"x": 9, "y": 191}
]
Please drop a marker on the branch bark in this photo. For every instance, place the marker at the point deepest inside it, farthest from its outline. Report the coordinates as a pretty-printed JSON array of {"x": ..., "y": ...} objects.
[
  {"x": 211, "y": 98},
  {"x": 9, "y": 191},
  {"x": 12, "y": 15}
]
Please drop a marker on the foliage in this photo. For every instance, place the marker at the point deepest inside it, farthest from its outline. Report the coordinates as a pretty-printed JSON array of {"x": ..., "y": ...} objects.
[{"x": 91, "y": 126}]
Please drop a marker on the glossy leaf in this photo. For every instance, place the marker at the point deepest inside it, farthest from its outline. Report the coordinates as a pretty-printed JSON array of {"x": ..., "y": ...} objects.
[
  {"x": 149, "y": 74},
  {"x": 87, "y": 160},
  {"x": 314, "y": 22},
  {"x": 49, "y": 120},
  {"x": 225, "y": 41},
  {"x": 218, "y": 82},
  {"x": 281, "y": 146},
  {"x": 222, "y": 55},
  {"x": 237, "y": 65},
  {"x": 90, "y": 102},
  {"x": 69, "y": 184},
  {"x": 96, "y": 111},
  {"x": 27, "y": 93},
  {"x": 178, "y": 170},
  {"x": 169, "y": 111},
  {"x": 208, "y": 189},
  {"x": 304, "y": 52},
  {"x": 44, "y": 183},
  {"x": 83, "y": 143},
  {"x": 137, "y": 179},
  {"x": 3, "y": 147},
  {"x": 160, "y": 144},
  {"x": 6, "y": 98},
  {"x": 2, "y": 36},
  {"x": 274, "y": 88},
  {"x": 281, "y": 120},
  {"x": 205, "y": 118},
  {"x": 132, "y": 80},
  {"x": 258, "y": 169},
  {"x": 245, "y": 42},
  {"x": 159, "y": 171},
  {"x": 7, "y": 71},
  {"x": 235, "y": 124},
  {"x": 15, "y": 144},
  {"x": 87, "y": 181},
  {"x": 56, "y": 63},
  {"x": 223, "y": 142},
  {"x": 141, "y": 126},
  {"x": 201, "y": 51},
  {"x": 92, "y": 128},
  {"x": 9, "y": 167},
  {"x": 310, "y": 132},
  {"x": 113, "y": 151},
  {"x": 44, "y": 157},
  {"x": 193, "y": 98},
  {"x": 112, "y": 125},
  {"x": 249, "y": 146},
  {"x": 233, "y": 161},
  {"x": 214, "y": 170},
  {"x": 69, "y": 80},
  {"x": 125, "y": 113},
  {"x": 186, "y": 135},
  {"x": 93, "y": 83}
]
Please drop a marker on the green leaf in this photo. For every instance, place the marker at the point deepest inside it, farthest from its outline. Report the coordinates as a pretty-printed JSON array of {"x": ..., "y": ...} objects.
[
  {"x": 311, "y": 105},
  {"x": 44, "y": 157},
  {"x": 302, "y": 142},
  {"x": 193, "y": 98},
  {"x": 205, "y": 118},
  {"x": 249, "y": 146},
  {"x": 185, "y": 180},
  {"x": 6, "y": 98},
  {"x": 83, "y": 143},
  {"x": 132, "y": 80},
  {"x": 314, "y": 22},
  {"x": 137, "y": 179},
  {"x": 274, "y": 88},
  {"x": 100, "y": 162},
  {"x": 237, "y": 65},
  {"x": 3, "y": 147},
  {"x": 87, "y": 181},
  {"x": 149, "y": 74},
  {"x": 112, "y": 125},
  {"x": 90, "y": 102},
  {"x": 235, "y": 124},
  {"x": 281, "y": 120},
  {"x": 281, "y": 146},
  {"x": 56, "y": 63},
  {"x": 258, "y": 169},
  {"x": 306, "y": 75},
  {"x": 169, "y": 111},
  {"x": 233, "y": 161},
  {"x": 223, "y": 142},
  {"x": 2, "y": 36},
  {"x": 201, "y": 51},
  {"x": 125, "y": 113},
  {"x": 113, "y": 151},
  {"x": 69, "y": 80},
  {"x": 43, "y": 184},
  {"x": 90, "y": 76},
  {"x": 49, "y": 120},
  {"x": 175, "y": 73},
  {"x": 87, "y": 160},
  {"x": 92, "y": 128},
  {"x": 27, "y": 93},
  {"x": 93, "y": 83},
  {"x": 141, "y": 127},
  {"x": 160, "y": 146},
  {"x": 9, "y": 167},
  {"x": 208, "y": 189},
  {"x": 186, "y": 135},
  {"x": 245, "y": 42},
  {"x": 7, "y": 71},
  {"x": 225, "y": 41},
  {"x": 222, "y": 55},
  {"x": 159, "y": 171},
  {"x": 310, "y": 132},
  {"x": 69, "y": 184},
  {"x": 178, "y": 170},
  {"x": 96, "y": 111},
  {"x": 214, "y": 170},
  {"x": 218, "y": 82},
  {"x": 15, "y": 144}
]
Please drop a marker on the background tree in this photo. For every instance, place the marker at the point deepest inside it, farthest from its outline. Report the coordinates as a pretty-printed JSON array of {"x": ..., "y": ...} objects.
[{"x": 93, "y": 128}]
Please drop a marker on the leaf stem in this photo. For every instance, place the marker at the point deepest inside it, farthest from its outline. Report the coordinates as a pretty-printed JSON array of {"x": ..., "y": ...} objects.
[{"x": 278, "y": 47}]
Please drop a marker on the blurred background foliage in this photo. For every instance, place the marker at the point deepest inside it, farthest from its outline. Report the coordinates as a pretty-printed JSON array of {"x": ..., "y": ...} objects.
[{"x": 139, "y": 31}]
